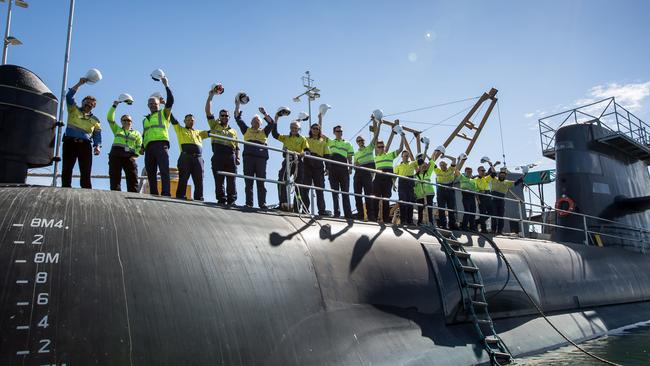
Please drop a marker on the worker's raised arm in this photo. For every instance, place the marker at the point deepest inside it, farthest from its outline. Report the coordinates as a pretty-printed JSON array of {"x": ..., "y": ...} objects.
[
  {"x": 110, "y": 116},
  {"x": 169, "y": 101},
  {"x": 208, "y": 105},
  {"x": 237, "y": 109},
  {"x": 375, "y": 130},
  {"x": 69, "y": 96},
  {"x": 401, "y": 144},
  {"x": 274, "y": 132}
]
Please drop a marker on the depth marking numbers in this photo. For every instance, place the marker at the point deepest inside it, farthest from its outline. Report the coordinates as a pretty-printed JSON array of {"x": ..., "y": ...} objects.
[{"x": 40, "y": 301}]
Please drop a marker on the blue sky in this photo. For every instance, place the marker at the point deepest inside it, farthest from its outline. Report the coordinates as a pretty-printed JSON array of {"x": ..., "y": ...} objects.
[{"x": 363, "y": 55}]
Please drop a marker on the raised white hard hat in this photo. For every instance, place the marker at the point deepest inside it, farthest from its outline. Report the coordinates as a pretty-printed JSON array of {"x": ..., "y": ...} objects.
[
  {"x": 323, "y": 108},
  {"x": 217, "y": 88},
  {"x": 126, "y": 98},
  {"x": 378, "y": 114},
  {"x": 302, "y": 116},
  {"x": 462, "y": 156},
  {"x": 242, "y": 98},
  {"x": 441, "y": 149},
  {"x": 93, "y": 76},
  {"x": 425, "y": 140},
  {"x": 284, "y": 111},
  {"x": 485, "y": 159},
  {"x": 398, "y": 129},
  {"x": 524, "y": 169},
  {"x": 157, "y": 74}
]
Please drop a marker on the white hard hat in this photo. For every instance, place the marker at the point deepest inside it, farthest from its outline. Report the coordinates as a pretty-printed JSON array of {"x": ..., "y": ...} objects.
[
  {"x": 217, "y": 88},
  {"x": 462, "y": 156},
  {"x": 441, "y": 149},
  {"x": 378, "y": 114},
  {"x": 93, "y": 76},
  {"x": 425, "y": 140},
  {"x": 126, "y": 98},
  {"x": 485, "y": 159},
  {"x": 322, "y": 109},
  {"x": 284, "y": 111},
  {"x": 242, "y": 98},
  {"x": 398, "y": 129},
  {"x": 157, "y": 74},
  {"x": 302, "y": 116},
  {"x": 525, "y": 169}
]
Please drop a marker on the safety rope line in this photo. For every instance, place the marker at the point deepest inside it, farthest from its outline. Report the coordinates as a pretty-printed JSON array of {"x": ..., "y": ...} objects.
[
  {"x": 421, "y": 109},
  {"x": 539, "y": 310},
  {"x": 430, "y": 107},
  {"x": 442, "y": 121}
]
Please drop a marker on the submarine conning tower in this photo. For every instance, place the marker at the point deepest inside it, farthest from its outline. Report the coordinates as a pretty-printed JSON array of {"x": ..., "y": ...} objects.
[
  {"x": 27, "y": 123},
  {"x": 602, "y": 158}
]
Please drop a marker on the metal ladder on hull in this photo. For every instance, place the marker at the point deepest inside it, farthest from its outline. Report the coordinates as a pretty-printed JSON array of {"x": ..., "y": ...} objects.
[{"x": 473, "y": 295}]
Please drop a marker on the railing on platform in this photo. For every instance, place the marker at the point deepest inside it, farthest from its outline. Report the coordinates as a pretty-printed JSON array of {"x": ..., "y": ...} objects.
[{"x": 606, "y": 113}]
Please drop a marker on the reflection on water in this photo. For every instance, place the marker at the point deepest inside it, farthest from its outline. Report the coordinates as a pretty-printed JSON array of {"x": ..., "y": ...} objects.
[{"x": 629, "y": 347}]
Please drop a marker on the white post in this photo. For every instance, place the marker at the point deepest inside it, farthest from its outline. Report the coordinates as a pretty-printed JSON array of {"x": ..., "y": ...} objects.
[
  {"x": 66, "y": 61},
  {"x": 6, "y": 44},
  {"x": 521, "y": 220},
  {"x": 584, "y": 222}
]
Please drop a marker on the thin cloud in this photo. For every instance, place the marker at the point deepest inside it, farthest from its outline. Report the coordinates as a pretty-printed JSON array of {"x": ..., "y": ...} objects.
[
  {"x": 631, "y": 96},
  {"x": 529, "y": 114}
]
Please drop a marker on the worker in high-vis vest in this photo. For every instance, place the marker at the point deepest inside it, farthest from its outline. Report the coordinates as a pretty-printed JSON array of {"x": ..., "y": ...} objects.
[
  {"x": 82, "y": 127},
  {"x": 423, "y": 188},
  {"x": 127, "y": 144},
  {"x": 500, "y": 187},
  {"x": 295, "y": 147},
  {"x": 313, "y": 173},
  {"x": 339, "y": 175},
  {"x": 382, "y": 184},
  {"x": 255, "y": 158},
  {"x": 445, "y": 177},
  {"x": 190, "y": 161},
  {"x": 406, "y": 168},
  {"x": 364, "y": 157},
  {"x": 483, "y": 181},
  {"x": 468, "y": 184},
  {"x": 156, "y": 141},
  {"x": 225, "y": 153}
]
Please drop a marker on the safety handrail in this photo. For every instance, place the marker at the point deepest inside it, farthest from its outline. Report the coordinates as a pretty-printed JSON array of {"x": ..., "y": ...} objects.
[
  {"x": 392, "y": 175},
  {"x": 520, "y": 220}
]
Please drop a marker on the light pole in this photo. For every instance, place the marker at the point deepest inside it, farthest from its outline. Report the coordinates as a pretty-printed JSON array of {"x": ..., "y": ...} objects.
[
  {"x": 59, "y": 123},
  {"x": 9, "y": 40},
  {"x": 312, "y": 92}
]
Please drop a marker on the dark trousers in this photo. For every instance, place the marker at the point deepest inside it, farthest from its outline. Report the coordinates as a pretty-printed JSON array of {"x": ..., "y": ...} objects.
[
  {"x": 190, "y": 165},
  {"x": 73, "y": 150},
  {"x": 340, "y": 181},
  {"x": 295, "y": 170},
  {"x": 156, "y": 157},
  {"x": 484, "y": 208},
  {"x": 314, "y": 174},
  {"x": 224, "y": 162},
  {"x": 469, "y": 205},
  {"x": 363, "y": 185},
  {"x": 118, "y": 163},
  {"x": 255, "y": 166},
  {"x": 381, "y": 187},
  {"x": 446, "y": 199},
  {"x": 498, "y": 209},
  {"x": 406, "y": 193},
  {"x": 428, "y": 200}
]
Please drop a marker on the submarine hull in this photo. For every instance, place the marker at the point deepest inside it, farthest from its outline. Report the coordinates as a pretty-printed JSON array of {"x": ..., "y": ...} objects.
[{"x": 110, "y": 278}]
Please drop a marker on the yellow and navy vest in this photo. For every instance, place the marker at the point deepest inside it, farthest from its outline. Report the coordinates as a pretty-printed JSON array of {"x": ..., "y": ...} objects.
[
  {"x": 318, "y": 146},
  {"x": 189, "y": 135},
  {"x": 501, "y": 186},
  {"x": 483, "y": 183},
  {"x": 443, "y": 177},
  {"x": 84, "y": 125}
]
